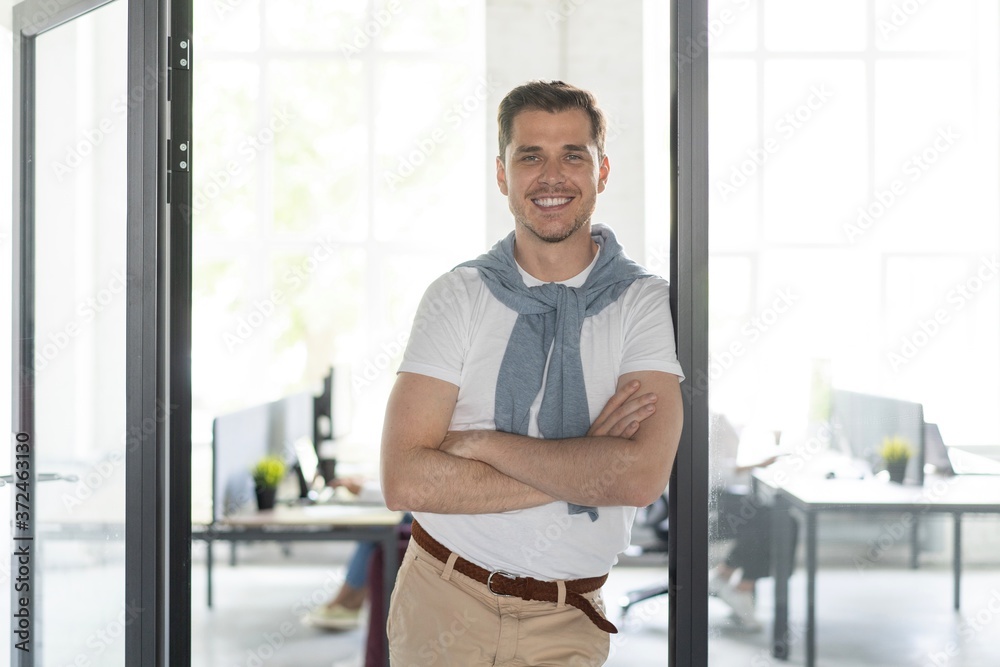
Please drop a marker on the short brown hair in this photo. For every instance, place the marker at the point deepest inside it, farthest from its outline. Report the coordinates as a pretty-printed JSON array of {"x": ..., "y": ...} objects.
[{"x": 551, "y": 96}]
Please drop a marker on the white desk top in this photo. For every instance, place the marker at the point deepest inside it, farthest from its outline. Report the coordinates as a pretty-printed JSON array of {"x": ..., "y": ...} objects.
[{"x": 330, "y": 515}]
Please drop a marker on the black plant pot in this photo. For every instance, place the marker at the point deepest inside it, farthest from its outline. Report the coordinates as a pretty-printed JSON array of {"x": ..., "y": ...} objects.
[
  {"x": 897, "y": 471},
  {"x": 265, "y": 498}
]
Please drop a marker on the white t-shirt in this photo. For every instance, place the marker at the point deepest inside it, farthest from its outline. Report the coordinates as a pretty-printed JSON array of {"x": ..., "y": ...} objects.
[{"x": 459, "y": 335}]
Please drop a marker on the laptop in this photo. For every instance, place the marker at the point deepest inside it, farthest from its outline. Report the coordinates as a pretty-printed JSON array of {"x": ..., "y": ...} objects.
[
  {"x": 956, "y": 460},
  {"x": 964, "y": 462}
]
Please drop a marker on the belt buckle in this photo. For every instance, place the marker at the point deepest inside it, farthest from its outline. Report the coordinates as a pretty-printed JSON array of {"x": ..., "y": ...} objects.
[{"x": 489, "y": 582}]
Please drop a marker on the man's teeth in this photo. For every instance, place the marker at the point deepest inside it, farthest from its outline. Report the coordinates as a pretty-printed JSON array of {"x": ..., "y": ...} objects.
[{"x": 552, "y": 201}]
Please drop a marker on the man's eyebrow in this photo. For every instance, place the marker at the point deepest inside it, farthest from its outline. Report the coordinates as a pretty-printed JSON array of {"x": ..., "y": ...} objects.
[{"x": 579, "y": 148}]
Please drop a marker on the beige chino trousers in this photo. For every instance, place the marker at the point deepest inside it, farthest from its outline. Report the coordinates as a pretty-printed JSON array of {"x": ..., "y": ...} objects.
[{"x": 438, "y": 617}]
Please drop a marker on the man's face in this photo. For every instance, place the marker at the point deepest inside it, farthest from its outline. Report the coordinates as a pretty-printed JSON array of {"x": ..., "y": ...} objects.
[{"x": 551, "y": 173}]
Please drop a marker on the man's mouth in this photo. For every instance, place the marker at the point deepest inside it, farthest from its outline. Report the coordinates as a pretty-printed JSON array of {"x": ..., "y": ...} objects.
[{"x": 551, "y": 202}]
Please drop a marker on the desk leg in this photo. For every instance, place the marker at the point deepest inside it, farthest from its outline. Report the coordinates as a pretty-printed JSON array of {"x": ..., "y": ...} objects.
[
  {"x": 957, "y": 559},
  {"x": 810, "y": 589},
  {"x": 915, "y": 543},
  {"x": 782, "y": 545},
  {"x": 208, "y": 569},
  {"x": 390, "y": 562}
]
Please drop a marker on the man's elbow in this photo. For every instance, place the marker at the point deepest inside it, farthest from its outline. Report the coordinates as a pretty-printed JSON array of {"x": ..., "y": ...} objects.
[
  {"x": 648, "y": 484},
  {"x": 643, "y": 495},
  {"x": 395, "y": 491}
]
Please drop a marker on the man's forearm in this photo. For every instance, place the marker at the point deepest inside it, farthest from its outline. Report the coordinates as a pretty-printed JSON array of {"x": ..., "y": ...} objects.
[
  {"x": 430, "y": 480},
  {"x": 600, "y": 471}
]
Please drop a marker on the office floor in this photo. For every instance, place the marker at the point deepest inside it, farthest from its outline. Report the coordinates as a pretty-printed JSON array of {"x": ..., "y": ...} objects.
[{"x": 258, "y": 604}]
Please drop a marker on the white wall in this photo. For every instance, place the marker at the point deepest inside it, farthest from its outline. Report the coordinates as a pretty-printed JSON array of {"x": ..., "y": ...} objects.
[{"x": 597, "y": 45}]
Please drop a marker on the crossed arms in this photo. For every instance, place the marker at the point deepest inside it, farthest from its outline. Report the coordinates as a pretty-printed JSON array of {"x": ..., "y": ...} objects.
[{"x": 625, "y": 458}]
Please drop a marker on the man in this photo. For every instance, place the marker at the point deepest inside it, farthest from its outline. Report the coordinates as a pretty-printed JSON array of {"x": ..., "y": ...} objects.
[{"x": 516, "y": 432}]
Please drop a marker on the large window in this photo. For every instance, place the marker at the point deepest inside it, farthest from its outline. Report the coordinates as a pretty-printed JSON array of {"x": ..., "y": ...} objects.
[
  {"x": 853, "y": 246},
  {"x": 338, "y": 169}
]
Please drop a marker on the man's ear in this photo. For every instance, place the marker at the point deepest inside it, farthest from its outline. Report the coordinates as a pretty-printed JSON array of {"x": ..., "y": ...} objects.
[
  {"x": 602, "y": 174},
  {"x": 501, "y": 176}
]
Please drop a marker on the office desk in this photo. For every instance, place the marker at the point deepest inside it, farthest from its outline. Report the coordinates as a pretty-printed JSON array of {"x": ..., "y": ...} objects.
[
  {"x": 809, "y": 497},
  {"x": 348, "y": 521}
]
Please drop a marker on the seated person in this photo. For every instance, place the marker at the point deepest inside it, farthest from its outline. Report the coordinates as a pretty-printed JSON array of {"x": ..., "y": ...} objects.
[
  {"x": 748, "y": 523},
  {"x": 343, "y": 611}
]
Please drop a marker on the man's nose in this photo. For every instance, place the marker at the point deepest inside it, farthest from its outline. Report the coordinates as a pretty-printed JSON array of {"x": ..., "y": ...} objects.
[{"x": 552, "y": 173}]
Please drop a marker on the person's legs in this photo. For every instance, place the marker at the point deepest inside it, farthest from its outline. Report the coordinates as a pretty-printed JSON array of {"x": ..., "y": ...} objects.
[
  {"x": 751, "y": 554},
  {"x": 352, "y": 594},
  {"x": 343, "y": 611}
]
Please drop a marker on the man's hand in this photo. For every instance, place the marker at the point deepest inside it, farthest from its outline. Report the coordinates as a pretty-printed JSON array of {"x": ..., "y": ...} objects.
[
  {"x": 352, "y": 484},
  {"x": 600, "y": 468},
  {"x": 620, "y": 417},
  {"x": 624, "y": 412}
]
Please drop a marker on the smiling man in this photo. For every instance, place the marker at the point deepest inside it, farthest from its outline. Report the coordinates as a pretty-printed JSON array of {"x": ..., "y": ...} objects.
[{"x": 536, "y": 407}]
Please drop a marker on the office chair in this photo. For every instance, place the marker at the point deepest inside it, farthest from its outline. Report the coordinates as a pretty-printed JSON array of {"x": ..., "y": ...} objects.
[{"x": 656, "y": 517}]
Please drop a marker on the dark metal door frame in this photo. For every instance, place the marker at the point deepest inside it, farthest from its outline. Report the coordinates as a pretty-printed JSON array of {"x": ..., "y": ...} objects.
[
  {"x": 158, "y": 404},
  {"x": 689, "y": 301}
]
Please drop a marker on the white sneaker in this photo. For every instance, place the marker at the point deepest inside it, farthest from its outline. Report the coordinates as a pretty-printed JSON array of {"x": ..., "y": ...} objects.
[
  {"x": 336, "y": 617},
  {"x": 742, "y": 605}
]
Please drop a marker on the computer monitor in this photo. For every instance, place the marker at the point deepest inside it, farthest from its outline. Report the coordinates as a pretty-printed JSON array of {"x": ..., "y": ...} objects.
[
  {"x": 241, "y": 438},
  {"x": 861, "y": 421},
  {"x": 332, "y": 406}
]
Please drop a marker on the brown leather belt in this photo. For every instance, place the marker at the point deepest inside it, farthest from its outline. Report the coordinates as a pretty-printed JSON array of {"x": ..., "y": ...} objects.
[{"x": 526, "y": 588}]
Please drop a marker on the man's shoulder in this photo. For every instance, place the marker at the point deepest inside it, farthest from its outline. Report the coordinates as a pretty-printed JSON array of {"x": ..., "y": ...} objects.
[
  {"x": 459, "y": 288},
  {"x": 649, "y": 286},
  {"x": 461, "y": 279}
]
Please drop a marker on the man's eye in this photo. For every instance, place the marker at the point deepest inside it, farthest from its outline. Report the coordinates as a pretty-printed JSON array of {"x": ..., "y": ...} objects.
[
  {"x": 573, "y": 156},
  {"x": 529, "y": 158}
]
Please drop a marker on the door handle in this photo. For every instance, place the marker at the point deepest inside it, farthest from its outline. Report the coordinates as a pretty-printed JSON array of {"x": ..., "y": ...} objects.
[{"x": 42, "y": 477}]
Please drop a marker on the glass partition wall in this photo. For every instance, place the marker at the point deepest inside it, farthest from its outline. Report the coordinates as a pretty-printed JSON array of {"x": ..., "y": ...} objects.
[
  {"x": 854, "y": 248},
  {"x": 81, "y": 101}
]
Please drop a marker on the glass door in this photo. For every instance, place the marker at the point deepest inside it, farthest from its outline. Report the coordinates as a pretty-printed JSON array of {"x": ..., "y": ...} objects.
[
  {"x": 97, "y": 419},
  {"x": 68, "y": 510}
]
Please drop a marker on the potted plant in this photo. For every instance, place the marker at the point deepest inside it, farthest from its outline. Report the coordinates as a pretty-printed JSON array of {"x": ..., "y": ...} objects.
[
  {"x": 267, "y": 475},
  {"x": 896, "y": 452}
]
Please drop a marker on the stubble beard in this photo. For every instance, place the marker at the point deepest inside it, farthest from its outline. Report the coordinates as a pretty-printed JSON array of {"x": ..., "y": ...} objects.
[{"x": 521, "y": 218}]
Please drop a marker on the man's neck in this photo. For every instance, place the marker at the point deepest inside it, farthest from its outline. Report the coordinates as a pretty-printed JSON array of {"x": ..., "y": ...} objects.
[{"x": 555, "y": 262}]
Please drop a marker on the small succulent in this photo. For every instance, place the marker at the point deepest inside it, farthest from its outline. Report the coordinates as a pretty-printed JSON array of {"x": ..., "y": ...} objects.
[
  {"x": 268, "y": 472},
  {"x": 895, "y": 448}
]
